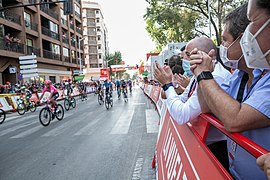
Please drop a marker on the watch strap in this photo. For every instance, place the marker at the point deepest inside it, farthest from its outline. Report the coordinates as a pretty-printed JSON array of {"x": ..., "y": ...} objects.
[
  {"x": 166, "y": 86},
  {"x": 204, "y": 75}
]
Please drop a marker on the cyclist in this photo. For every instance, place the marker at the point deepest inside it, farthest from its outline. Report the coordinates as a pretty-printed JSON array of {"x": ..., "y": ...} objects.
[
  {"x": 118, "y": 87},
  {"x": 53, "y": 92},
  {"x": 130, "y": 85},
  {"x": 27, "y": 93},
  {"x": 82, "y": 89},
  {"x": 68, "y": 90},
  {"x": 108, "y": 87},
  {"x": 124, "y": 87}
]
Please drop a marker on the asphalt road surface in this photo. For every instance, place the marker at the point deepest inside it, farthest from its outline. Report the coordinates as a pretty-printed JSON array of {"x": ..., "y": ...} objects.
[{"x": 89, "y": 143}]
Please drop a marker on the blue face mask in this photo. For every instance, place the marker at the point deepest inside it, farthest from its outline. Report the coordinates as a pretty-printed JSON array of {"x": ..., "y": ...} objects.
[{"x": 186, "y": 67}]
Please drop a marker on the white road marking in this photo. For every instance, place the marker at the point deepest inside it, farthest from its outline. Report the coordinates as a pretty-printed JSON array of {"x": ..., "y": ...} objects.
[
  {"x": 123, "y": 123},
  {"x": 14, "y": 128},
  {"x": 137, "y": 169},
  {"x": 28, "y": 132},
  {"x": 151, "y": 121}
]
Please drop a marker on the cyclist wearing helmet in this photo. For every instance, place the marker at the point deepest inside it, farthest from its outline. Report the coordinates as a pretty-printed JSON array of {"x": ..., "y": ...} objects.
[
  {"x": 68, "y": 89},
  {"x": 52, "y": 90},
  {"x": 107, "y": 86},
  {"x": 27, "y": 92}
]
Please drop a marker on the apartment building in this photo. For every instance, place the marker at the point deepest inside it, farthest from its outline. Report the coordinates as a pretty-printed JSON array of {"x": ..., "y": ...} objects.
[
  {"x": 45, "y": 31},
  {"x": 96, "y": 37}
]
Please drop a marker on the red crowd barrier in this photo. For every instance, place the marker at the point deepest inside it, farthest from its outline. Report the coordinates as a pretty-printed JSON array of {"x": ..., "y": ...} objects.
[{"x": 181, "y": 150}]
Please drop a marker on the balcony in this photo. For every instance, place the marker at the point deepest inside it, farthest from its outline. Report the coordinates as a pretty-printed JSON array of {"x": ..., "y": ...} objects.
[
  {"x": 66, "y": 59},
  {"x": 74, "y": 61},
  {"x": 73, "y": 43},
  {"x": 65, "y": 40},
  {"x": 64, "y": 22},
  {"x": 79, "y": 30},
  {"x": 30, "y": 25},
  {"x": 11, "y": 46},
  {"x": 50, "y": 12},
  {"x": 72, "y": 26},
  {"x": 92, "y": 24},
  {"x": 30, "y": 50},
  {"x": 50, "y": 33},
  {"x": 51, "y": 55},
  {"x": 8, "y": 15},
  {"x": 90, "y": 15},
  {"x": 78, "y": 15}
]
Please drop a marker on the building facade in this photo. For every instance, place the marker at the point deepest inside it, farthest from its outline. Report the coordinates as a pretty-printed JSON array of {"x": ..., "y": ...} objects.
[
  {"x": 96, "y": 37},
  {"x": 42, "y": 30}
]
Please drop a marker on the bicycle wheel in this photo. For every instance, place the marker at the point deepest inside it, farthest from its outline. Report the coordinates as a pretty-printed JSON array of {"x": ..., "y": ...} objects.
[
  {"x": 45, "y": 116},
  {"x": 100, "y": 100},
  {"x": 33, "y": 106},
  {"x": 21, "y": 108},
  {"x": 2, "y": 116},
  {"x": 73, "y": 102},
  {"x": 59, "y": 112},
  {"x": 107, "y": 102},
  {"x": 66, "y": 104},
  {"x": 111, "y": 102}
]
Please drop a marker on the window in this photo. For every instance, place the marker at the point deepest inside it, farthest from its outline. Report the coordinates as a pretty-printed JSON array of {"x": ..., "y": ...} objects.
[
  {"x": 65, "y": 52},
  {"x": 98, "y": 29},
  {"x": 27, "y": 19},
  {"x": 99, "y": 56},
  {"x": 55, "y": 48},
  {"x": 97, "y": 12},
  {"x": 52, "y": 78},
  {"x": 29, "y": 42},
  {"x": 73, "y": 55},
  {"x": 98, "y": 38},
  {"x": 53, "y": 27},
  {"x": 77, "y": 9},
  {"x": 99, "y": 46},
  {"x": 97, "y": 20}
]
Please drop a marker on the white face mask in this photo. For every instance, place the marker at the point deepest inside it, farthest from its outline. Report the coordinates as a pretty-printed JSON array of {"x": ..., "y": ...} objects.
[
  {"x": 223, "y": 53},
  {"x": 253, "y": 54}
]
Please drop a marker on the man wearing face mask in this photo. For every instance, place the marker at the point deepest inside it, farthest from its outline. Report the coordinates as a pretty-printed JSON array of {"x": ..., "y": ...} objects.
[
  {"x": 242, "y": 104},
  {"x": 186, "y": 107}
]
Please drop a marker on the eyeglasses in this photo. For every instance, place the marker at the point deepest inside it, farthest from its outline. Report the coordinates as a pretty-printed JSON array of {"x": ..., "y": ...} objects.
[{"x": 187, "y": 53}]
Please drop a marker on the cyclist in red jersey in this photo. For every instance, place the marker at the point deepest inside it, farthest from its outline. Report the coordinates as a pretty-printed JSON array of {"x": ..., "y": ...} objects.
[{"x": 52, "y": 90}]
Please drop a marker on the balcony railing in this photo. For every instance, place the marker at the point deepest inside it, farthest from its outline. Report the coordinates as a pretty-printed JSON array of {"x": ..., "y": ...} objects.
[
  {"x": 78, "y": 14},
  {"x": 31, "y": 25},
  {"x": 50, "y": 33},
  {"x": 66, "y": 59},
  {"x": 8, "y": 15},
  {"x": 64, "y": 22},
  {"x": 79, "y": 30},
  {"x": 91, "y": 15},
  {"x": 65, "y": 40},
  {"x": 51, "y": 55},
  {"x": 78, "y": 1},
  {"x": 91, "y": 24},
  {"x": 11, "y": 46},
  {"x": 30, "y": 50},
  {"x": 72, "y": 26},
  {"x": 49, "y": 12},
  {"x": 73, "y": 43},
  {"x": 73, "y": 61}
]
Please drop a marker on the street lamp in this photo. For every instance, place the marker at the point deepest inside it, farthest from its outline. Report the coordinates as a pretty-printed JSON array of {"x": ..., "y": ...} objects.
[{"x": 80, "y": 59}]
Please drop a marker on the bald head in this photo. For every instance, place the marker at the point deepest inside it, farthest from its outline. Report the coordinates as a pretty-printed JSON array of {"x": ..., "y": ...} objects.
[{"x": 201, "y": 43}]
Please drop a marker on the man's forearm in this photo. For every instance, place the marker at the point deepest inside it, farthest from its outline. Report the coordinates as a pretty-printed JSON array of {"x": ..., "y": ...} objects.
[{"x": 219, "y": 102}]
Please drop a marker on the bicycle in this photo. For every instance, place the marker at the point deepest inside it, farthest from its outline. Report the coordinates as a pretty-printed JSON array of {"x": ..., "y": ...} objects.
[
  {"x": 119, "y": 92},
  {"x": 47, "y": 114},
  {"x": 83, "y": 96},
  {"x": 25, "y": 105},
  {"x": 108, "y": 100},
  {"x": 100, "y": 98},
  {"x": 125, "y": 95},
  {"x": 2, "y": 116},
  {"x": 69, "y": 102}
]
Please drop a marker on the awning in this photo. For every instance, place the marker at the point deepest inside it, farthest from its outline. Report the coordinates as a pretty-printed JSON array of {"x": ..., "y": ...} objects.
[{"x": 78, "y": 78}]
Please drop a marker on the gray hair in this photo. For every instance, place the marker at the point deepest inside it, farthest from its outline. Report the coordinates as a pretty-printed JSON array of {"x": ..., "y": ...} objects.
[{"x": 237, "y": 21}]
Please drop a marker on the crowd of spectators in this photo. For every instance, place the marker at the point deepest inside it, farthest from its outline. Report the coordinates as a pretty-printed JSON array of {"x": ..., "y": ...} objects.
[
  {"x": 12, "y": 43},
  {"x": 237, "y": 94}
]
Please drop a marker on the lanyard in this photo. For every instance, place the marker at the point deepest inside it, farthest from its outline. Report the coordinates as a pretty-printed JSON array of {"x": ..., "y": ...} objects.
[
  {"x": 192, "y": 88},
  {"x": 242, "y": 87},
  {"x": 252, "y": 86}
]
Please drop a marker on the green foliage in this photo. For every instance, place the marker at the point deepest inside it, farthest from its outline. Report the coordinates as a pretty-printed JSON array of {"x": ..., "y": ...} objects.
[{"x": 181, "y": 20}]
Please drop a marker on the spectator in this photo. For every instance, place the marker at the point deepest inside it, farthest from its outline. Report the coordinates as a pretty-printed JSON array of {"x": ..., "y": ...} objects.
[
  {"x": 186, "y": 107},
  {"x": 7, "y": 40},
  {"x": 242, "y": 104},
  {"x": 264, "y": 163}
]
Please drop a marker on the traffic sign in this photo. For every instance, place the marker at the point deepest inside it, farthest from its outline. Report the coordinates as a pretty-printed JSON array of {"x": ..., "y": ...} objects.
[
  {"x": 27, "y": 71},
  {"x": 76, "y": 72},
  {"x": 22, "y": 58},
  {"x": 28, "y": 62},
  {"x": 28, "y": 66},
  {"x": 30, "y": 75}
]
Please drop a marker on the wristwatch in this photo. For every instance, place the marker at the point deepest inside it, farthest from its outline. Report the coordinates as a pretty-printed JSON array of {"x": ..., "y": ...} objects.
[
  {"x": 204, "y": 75},
  {"x": 166, "y": 86}
]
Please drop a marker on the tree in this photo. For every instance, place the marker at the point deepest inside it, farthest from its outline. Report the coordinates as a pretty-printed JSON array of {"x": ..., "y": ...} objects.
[
  {"x": 114, "y": 59},
  {"x": 181, "y": 20}
]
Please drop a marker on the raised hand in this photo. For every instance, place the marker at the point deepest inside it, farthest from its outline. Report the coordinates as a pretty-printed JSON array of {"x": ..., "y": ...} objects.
[{"x": 163, "y": 75}]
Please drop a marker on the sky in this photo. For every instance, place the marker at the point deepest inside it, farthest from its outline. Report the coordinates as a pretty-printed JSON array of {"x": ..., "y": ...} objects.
[{"x": 126, "y": 28}]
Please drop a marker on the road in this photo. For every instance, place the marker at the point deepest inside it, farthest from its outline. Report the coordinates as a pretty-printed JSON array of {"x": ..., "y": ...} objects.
[{"x": 89, "y": 143}]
